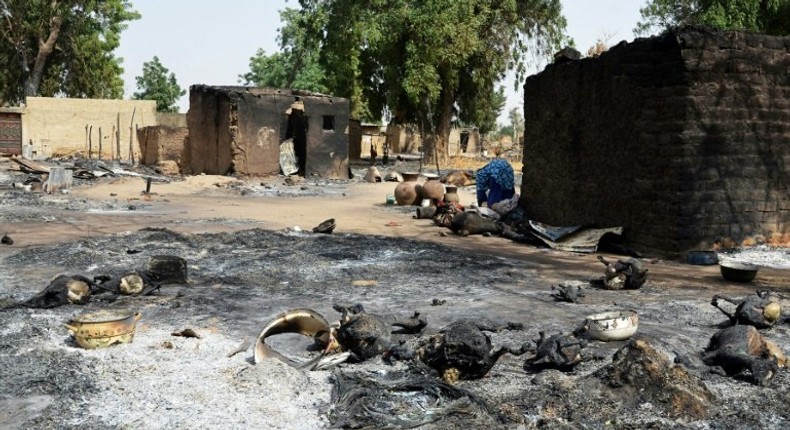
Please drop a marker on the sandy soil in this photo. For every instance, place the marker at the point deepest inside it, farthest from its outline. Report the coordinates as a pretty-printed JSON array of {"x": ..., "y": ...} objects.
[{"x": 90, "y": 228}]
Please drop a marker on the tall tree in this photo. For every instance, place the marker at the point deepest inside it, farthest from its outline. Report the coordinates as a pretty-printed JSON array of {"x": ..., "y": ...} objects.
[
  {"x": 156, "y": 84},
  {"x": 61, "y": 47},
  {"x": 517, "y": 121},
  {"x": 295, "y": 66},
  {"x": 764, "y": 16},
  {"x": 430, "y": 61}
]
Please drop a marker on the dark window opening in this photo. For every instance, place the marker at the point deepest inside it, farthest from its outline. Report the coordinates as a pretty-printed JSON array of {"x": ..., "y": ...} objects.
[
  {"x": 464, "y": 141},
  {"x": 329, "y": 123}
]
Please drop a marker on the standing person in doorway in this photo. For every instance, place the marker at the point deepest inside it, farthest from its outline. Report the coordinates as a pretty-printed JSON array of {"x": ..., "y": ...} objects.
[{"x": 495, "y": 182}]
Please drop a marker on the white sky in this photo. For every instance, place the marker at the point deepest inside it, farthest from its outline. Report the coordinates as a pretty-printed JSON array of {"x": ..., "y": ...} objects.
[{"x": 210, "y": 42}]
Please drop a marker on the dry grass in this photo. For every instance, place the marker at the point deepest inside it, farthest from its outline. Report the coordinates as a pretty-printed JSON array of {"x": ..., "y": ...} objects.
[{"x": 468, "y": 163}]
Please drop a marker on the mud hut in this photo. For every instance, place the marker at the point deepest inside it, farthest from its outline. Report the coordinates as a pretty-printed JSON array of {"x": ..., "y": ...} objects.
[
  {"x": 682, "y": 138},
  {"x": 240, "y": 130}
]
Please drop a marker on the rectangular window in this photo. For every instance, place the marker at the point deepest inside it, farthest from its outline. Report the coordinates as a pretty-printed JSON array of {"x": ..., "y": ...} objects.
[{"x": 329, "y": 123}]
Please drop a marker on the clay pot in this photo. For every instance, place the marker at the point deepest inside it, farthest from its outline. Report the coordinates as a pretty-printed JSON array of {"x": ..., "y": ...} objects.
[
  {"x": 408, "y": 192},
  {"x": 451, "y": 196},
  {"x": 432, "y": 188}
]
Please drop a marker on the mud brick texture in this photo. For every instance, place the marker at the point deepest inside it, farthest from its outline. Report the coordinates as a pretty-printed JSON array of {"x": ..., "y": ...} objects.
[
  {"x": 239, "y": 130},
  {"x": 683, "y": 139},
  {"x": 160, "y": 143}
]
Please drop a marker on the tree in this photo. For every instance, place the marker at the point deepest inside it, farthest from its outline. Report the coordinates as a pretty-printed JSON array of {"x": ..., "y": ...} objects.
[
  {"x": 296, "y": 66},
  {"x": 155, "y": 84},
  {"x": 517, "y": 123},
  {"x": 61, "y": 47},
  {"x": 764, "y": 16},
  {"x": 428, "y": 61}
]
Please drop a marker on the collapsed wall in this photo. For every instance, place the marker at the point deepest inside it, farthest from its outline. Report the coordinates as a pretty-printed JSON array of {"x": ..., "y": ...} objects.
[
  {"x": 240, "y": 129},
  {"x": 161, "y": 145},
  {"x": 683, "y": 139}
]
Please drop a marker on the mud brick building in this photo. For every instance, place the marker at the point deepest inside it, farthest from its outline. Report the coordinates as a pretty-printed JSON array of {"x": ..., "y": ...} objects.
[
  {"x": 683, "y": 139},
  {"x": 240, "y": 129}
]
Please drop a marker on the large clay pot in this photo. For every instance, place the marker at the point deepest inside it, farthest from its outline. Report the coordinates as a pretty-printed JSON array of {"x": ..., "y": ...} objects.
[
  {"x": 408, "y": 192},
  {"x": 432, "y": 188},
  {"x": 451, "y": 196}
]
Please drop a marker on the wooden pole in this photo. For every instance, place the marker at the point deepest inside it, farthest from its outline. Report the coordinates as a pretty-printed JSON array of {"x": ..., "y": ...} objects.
[
  {"x": 131, "y": 146},
  {"x": 118, "y": 137},
  {"x": 90, "y": 143}
]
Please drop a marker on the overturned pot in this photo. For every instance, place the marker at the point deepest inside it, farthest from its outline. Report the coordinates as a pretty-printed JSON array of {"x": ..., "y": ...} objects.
[{"x": 103, "y": 328}]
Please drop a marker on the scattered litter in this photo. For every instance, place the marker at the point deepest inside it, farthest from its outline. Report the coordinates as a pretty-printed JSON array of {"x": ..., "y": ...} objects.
[
  {"x": 392, "y": 224},
  {"x": 364, "y": 283}
]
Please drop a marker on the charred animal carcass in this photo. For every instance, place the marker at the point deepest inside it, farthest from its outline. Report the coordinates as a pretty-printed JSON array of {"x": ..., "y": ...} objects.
[
  {"x": 468, "y": 223},
  {"x": 569, "y": 291},
  {"x": 628, "y": 274},
  {"x": 742, "y": 348},
  {"x": 463, "y": 350},
  {"x": 758, "y": 310},
  {"x": 559, "y": 351},
  {"x": 62, "y": 290},
  {"x": 367, "y": 335}
]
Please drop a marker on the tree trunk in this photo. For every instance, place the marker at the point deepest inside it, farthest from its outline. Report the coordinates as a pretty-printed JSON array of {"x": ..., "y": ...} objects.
[
  {"x": 439, "y": 145},
  {"x": 45, "y": 47}
]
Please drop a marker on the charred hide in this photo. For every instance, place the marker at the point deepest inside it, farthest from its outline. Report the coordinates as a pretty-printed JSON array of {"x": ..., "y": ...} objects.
[
  {"x": 368, "y": 335},
  {"x": 757, "y": 310},
  {"x": 463, "y": 351},
  {"x": 559, "y": 351},
  {"x": 741, "y": 348},
  {"x": 469, "y": 223},
  {"x": 628, "y": 274},
  {"x": 568, "y": 291},
  {"x": 63, "y": 290}
]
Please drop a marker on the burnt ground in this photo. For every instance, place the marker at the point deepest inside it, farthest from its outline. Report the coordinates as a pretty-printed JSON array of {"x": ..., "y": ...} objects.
[{"x": 239, "y": 280}]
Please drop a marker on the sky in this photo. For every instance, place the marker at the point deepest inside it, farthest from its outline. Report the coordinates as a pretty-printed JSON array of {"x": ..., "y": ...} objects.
[{"x": 210, "y": 42}]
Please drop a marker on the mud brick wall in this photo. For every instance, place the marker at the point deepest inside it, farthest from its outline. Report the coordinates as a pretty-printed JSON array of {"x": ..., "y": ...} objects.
[
  {"x": 57, "y": 126},
  {"x": 683, "y": 139},
  {"x": 160, "y": 143},
  {"x": 240, "y": 129}
]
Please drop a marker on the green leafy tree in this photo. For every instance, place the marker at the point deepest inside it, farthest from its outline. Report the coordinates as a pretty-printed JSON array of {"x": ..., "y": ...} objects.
[
  {"x": 61, "y": 47},
  {"x": 764, "y": 16},
  {"x": 296, "y": 66},
  {"x": 430, "y": 61},
  {"x": 156, "y": 84}
]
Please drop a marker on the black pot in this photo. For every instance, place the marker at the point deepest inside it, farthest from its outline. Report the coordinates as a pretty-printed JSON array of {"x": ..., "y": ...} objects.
[
  {"x": 702, "y": 258},
  {"x": 738, "y": 272}
]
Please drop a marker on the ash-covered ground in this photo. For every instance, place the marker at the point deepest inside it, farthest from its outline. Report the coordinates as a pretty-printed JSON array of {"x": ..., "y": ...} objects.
[{"x": 240, "y": 280}]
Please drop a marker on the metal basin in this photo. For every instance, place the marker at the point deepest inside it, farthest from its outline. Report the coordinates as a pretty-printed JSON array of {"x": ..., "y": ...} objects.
[
  {"x": 738, "y": 272},
  {"x": 103, "y": 328}
]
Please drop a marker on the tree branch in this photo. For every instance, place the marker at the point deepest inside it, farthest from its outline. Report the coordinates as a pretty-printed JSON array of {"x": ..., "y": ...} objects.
[{"x": 45, "y": 47}]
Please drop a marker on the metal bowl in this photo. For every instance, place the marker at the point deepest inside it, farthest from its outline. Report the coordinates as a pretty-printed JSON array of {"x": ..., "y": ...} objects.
[
  {"x": 738, "y": 272},
  {"x": 614, "y": 325},
  {"x": 103, "y": 328}
]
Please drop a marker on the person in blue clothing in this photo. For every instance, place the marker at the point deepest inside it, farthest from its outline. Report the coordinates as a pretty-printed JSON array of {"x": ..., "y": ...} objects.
[{"x": 495, "y": 182}]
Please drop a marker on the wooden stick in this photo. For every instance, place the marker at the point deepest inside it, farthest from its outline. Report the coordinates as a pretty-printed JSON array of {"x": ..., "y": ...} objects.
[
  {"x": 118, "y": 137},
  {"x": 90, "y": 143},
  {"x": 131, "y": 147}
]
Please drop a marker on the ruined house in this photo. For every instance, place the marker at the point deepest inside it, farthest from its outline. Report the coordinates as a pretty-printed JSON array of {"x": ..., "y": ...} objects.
[
  {"x": 240, "y": 130},
  {"x": 683, "y": 139},
  {"x": 161, "y": 145}
]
